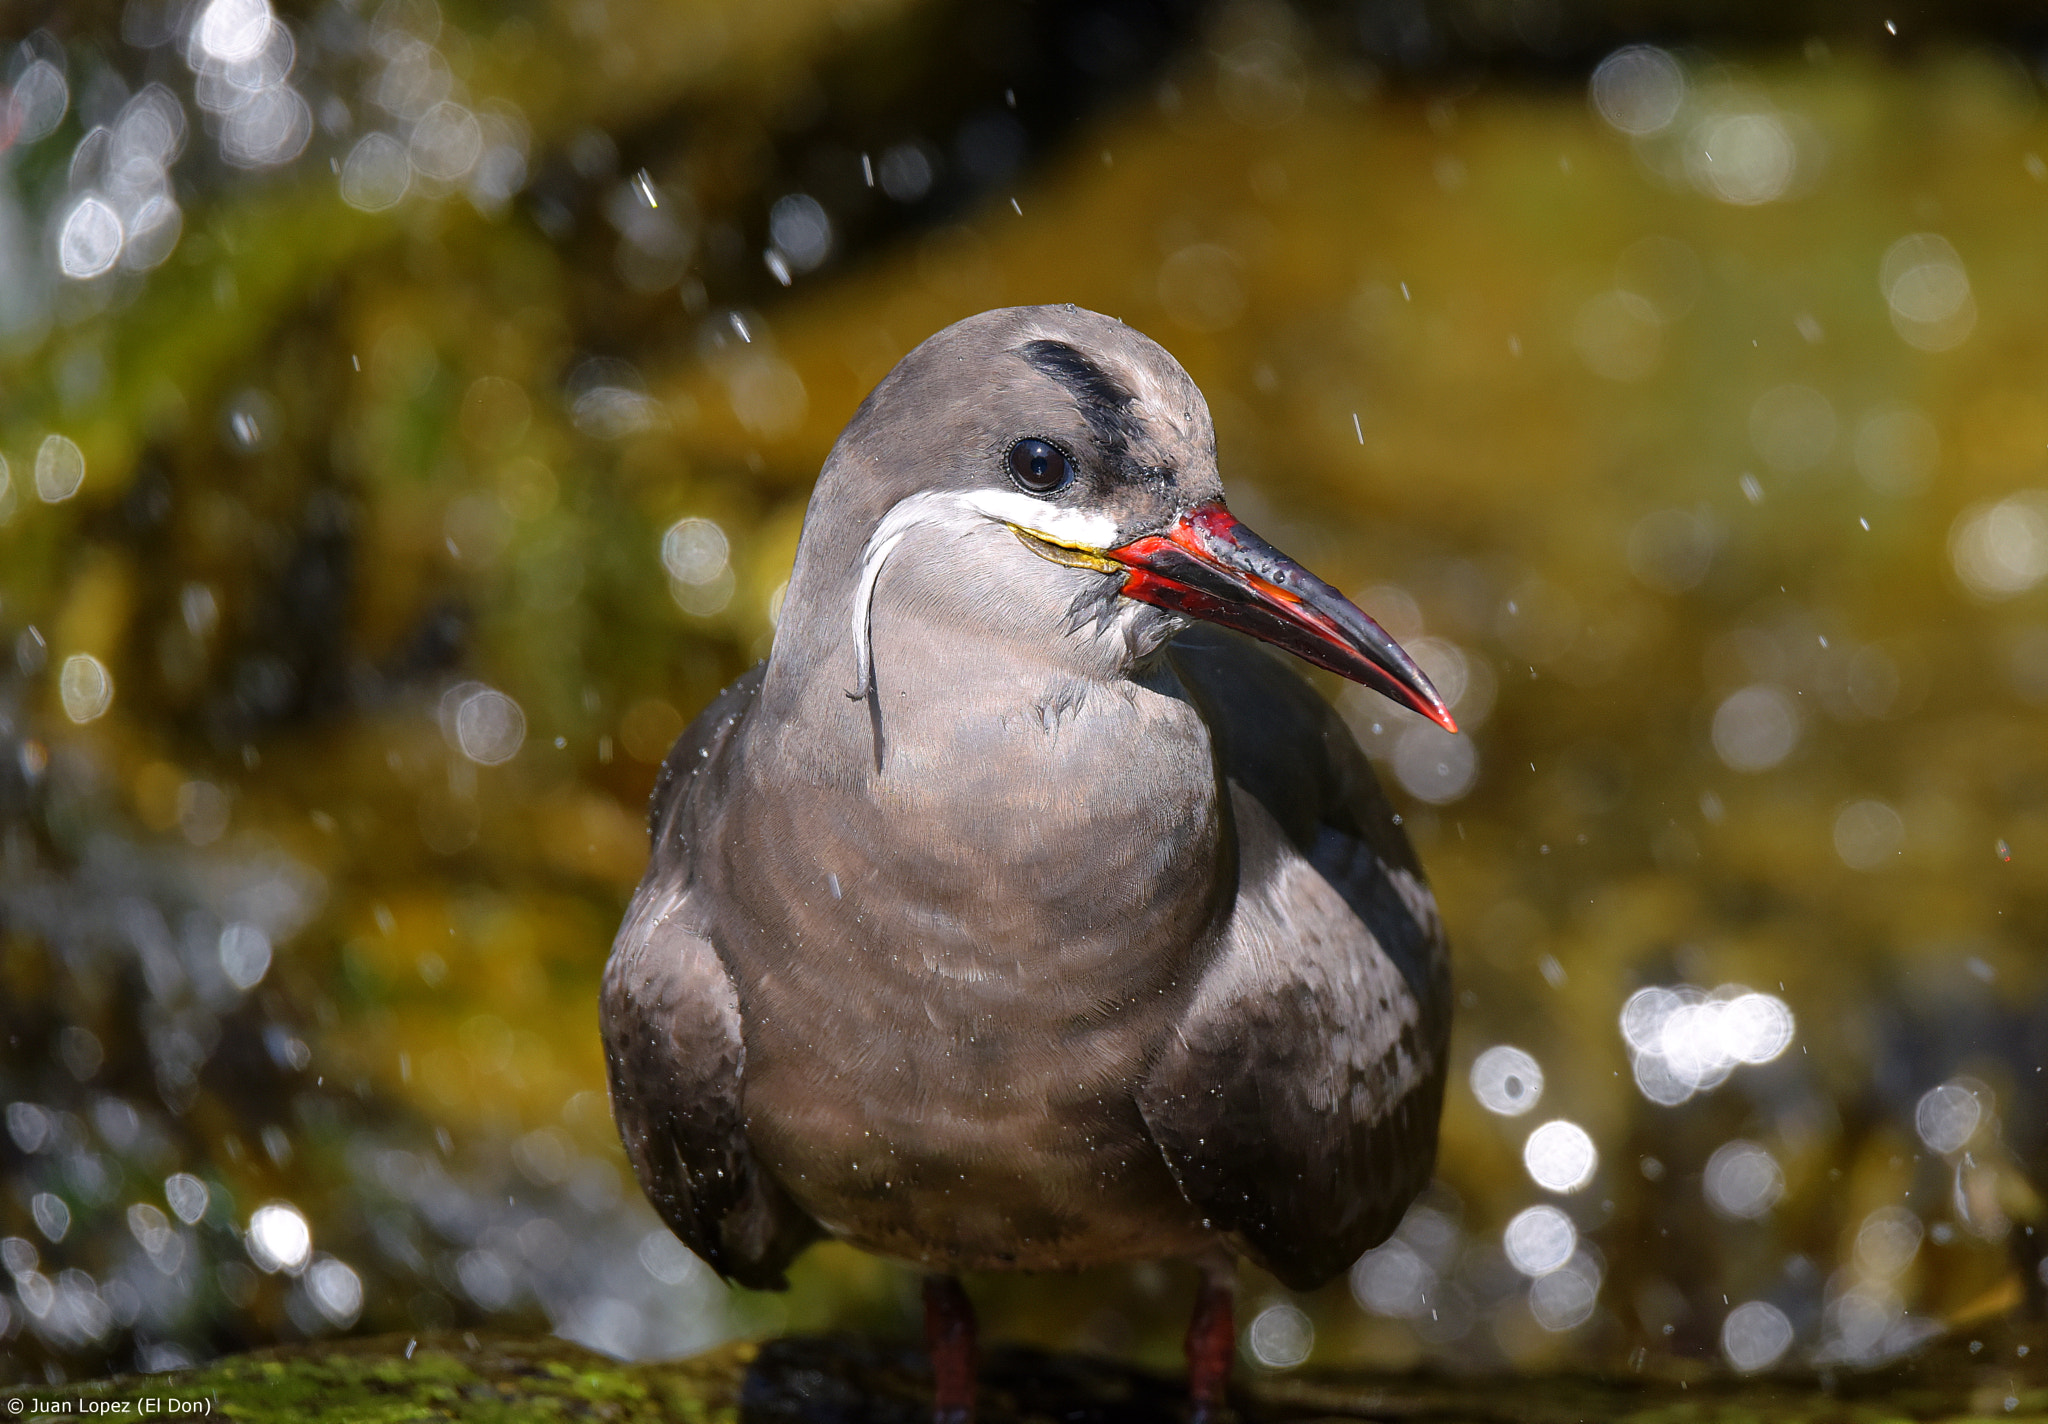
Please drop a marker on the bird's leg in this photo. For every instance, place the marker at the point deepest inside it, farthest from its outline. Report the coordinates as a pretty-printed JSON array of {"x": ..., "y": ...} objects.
[
  {"x": 1212, "y": 1336},
  {"x": 949, "y": 1337}
]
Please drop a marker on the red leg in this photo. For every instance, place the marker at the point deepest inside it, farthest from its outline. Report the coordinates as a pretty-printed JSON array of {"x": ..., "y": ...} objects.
[
  {"x": 1212, "y": 1337},
  {"x": 949, "y": 1336}
]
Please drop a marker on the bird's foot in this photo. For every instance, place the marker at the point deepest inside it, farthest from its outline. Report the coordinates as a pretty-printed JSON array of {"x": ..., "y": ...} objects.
[{"x": 949, "y": 1335}]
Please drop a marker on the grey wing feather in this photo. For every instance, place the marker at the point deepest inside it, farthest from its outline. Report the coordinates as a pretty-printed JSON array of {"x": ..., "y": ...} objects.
[
  {"x": 674, "y": 1052},
  {"x": 1297, "y": 1103}
]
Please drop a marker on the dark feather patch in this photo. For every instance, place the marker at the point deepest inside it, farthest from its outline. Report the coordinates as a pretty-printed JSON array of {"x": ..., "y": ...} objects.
[{"x": 1102, "y": 399}]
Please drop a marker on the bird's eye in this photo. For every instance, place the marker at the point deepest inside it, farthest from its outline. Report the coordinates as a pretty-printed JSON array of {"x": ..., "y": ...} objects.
[{"x": 1039, "y": 467}]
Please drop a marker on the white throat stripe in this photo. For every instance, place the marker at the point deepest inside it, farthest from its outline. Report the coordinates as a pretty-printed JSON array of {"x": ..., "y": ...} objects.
[{"x": 961, "y": 510}]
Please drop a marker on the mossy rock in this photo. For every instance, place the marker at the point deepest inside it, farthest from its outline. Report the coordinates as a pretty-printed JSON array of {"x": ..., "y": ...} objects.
[{"x": 848, "y": 1380}]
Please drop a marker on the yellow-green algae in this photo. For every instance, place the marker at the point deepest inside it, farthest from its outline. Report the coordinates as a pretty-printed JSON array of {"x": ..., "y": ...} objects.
[
  {"x": 396, "y": 1379},
  {"x": 391, "y": 1378}
]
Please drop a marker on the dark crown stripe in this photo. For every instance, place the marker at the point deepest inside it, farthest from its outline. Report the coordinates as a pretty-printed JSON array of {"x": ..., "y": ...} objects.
[
  {"x": 1103, "y": 400},
  {"x": 1090, "y": 384}
]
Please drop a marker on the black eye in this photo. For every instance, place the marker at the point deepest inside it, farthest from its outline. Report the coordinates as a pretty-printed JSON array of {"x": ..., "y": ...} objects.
[{"x": 1039, "y": 467}]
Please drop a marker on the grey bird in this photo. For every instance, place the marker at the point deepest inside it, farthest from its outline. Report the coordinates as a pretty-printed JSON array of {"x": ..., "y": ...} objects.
[{"x": 1017, "y": 913}]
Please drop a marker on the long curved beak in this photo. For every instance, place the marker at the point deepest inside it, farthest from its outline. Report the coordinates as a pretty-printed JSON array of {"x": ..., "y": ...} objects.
[{"x": 1209, "y": 566}]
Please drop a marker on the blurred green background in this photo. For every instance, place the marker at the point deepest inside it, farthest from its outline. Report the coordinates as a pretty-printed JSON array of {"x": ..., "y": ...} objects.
[{"x": 408, "y": 412}]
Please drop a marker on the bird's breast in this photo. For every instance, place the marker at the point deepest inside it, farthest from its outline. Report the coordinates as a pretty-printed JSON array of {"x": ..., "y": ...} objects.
[
  {"x": 1063, "y": 841},
  {"x": 952, "y": 971}
]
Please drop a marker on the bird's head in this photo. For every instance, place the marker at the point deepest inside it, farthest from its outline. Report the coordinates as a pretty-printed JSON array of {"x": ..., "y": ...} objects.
[{"x": 1094, "y": 450}]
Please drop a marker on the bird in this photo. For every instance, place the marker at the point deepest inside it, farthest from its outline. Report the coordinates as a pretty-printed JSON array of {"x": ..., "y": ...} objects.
[{"x": 1025, "y": 909}]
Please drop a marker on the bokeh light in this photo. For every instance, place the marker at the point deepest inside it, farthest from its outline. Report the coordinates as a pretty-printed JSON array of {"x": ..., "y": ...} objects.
[
  {"x": 1928, "y": 292},
  {"x": 1742, "y": 158},
  {"x": 1756, "y": 727},
  {"x": 1564, "y": 1299},
  {"x": 1281, "y": 1336},
  {"x": 1539, "y": 1240},
  {"x": 1755, "y": 1335},
  {"x": 1638, "y": 89},
  {"x": 1683, "y": 1040},
  {"x": 86, "y": 687},
  {"x": 1947, "y": 1117},
  {"x": 1560, "y": 1156},
  {"x": 1506, "y": 1081},
  {"x": 2001, "y": 550},
  {"x": 1743, "y": 1180},
  {"x": 279, "y": 1238},
  {"x": 1869, "y": 834},
  {"x": 60, "y": 469}
]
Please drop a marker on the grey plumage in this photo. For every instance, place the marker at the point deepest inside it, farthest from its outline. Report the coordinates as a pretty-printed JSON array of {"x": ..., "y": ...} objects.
[{"x": 1081, "y": 932}]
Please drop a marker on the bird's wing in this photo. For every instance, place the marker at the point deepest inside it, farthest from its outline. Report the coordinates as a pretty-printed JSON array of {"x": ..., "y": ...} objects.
[
  {"x": 673, "y": 1046},
  {"x": 1297, "y": 1102}
]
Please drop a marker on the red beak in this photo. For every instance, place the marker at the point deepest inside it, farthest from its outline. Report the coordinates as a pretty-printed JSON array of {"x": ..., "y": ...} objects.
[{"x": 1211, "y": 567}]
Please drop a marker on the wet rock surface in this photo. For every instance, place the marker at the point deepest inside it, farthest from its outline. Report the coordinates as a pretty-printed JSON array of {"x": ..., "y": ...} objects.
[{"x": 846, "y": 1379}]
